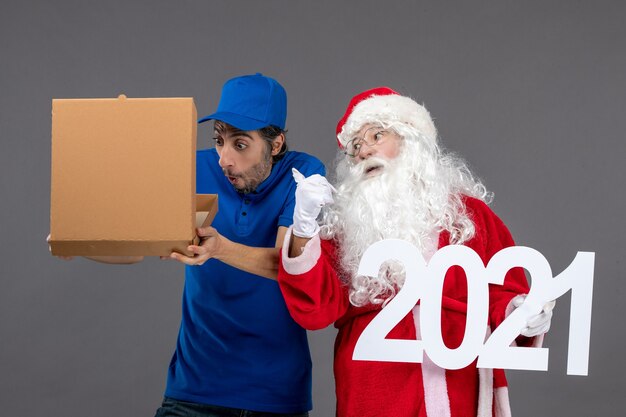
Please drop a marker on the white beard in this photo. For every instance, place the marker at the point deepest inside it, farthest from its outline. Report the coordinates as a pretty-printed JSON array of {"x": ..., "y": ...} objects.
[
  {"x": 409, "y": 198},
  {"x": 383, "y": 206}
]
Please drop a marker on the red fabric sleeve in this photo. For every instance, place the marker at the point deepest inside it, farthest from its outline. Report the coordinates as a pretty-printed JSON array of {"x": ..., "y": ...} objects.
[
  {"x": 316, "y": 298},
  {"x": 495, "y": 237}
]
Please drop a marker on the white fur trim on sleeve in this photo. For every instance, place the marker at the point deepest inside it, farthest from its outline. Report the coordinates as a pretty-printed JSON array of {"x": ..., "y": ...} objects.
[
  {"x": 307, "y": 260},
  {"x": 485, "y": 388},
  {"x": 436, "y": 396},
  {"x": 502, "y": 404}
]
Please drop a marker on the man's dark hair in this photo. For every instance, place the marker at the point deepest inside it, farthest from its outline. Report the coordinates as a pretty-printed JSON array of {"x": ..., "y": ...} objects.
[{"x": 268, "y": 133}]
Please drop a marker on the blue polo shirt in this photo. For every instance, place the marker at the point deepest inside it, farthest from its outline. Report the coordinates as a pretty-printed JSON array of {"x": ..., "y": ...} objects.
[{"x": 237, "y": 345}]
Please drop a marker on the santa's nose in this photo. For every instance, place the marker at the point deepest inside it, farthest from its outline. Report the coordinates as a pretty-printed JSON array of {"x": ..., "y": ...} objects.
[{"x": 366, "y": 151}]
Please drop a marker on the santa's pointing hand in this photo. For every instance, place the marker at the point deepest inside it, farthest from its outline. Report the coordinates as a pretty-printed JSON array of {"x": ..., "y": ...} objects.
[{"x": 312, "y": 193}]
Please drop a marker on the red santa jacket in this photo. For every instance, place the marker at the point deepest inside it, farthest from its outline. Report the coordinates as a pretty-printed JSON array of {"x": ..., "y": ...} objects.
[{"x": 316, "y": 298}]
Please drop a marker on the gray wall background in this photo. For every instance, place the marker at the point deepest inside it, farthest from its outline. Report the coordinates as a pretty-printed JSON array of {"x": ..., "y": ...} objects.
[{"x": 531, "y": 93}]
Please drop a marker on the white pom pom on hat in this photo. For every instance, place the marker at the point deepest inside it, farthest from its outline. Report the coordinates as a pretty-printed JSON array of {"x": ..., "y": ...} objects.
[{"x": 383, "y": 104}]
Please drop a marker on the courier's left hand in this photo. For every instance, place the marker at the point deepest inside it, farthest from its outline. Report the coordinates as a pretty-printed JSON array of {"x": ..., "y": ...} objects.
[
  {"x": 539, "y": 323},
  {"x": 211, "y": 242}
]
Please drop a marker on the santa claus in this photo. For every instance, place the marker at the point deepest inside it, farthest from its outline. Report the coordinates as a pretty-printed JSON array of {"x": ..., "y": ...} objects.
[{"x": 394, "y": 181}]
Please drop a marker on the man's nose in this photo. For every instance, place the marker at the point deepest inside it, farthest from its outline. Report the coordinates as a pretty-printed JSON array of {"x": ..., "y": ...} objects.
[{"x": 226, "y": 157}]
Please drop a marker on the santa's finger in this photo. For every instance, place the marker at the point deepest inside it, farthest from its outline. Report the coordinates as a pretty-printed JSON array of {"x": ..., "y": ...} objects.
[
  {"x": 538, "y": 320},
  {"x": 297, "y": 175},
  {"x": 549, "y": 306},
  {"x": 536, "y": 331},
  {"x": 518, "y": 300}
]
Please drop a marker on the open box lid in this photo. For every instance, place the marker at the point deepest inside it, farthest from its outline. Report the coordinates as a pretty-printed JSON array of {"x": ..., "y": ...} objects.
[{"x": 206, "y": 209}]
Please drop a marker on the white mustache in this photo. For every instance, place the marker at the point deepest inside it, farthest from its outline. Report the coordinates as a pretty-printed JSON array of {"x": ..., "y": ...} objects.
[{"x": 362, "y": 167}]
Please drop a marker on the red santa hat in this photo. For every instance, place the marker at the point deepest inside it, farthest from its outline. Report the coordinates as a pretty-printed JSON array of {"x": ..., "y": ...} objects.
[{"x": 382, "y": 104}]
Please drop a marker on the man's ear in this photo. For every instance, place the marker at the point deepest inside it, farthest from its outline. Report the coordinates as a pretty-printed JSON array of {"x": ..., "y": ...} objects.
[{"x": 277, "y": 144}]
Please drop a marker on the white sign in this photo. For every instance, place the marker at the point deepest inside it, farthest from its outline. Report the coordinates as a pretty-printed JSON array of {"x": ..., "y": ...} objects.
[{"x": 425, "y": 282}]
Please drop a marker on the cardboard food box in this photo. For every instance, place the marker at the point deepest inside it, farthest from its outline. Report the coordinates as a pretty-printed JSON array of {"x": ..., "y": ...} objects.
[{"x": 123, "y": 177}]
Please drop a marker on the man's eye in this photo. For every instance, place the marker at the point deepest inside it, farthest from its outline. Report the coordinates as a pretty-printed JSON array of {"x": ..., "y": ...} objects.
[
  {"x": 241, "y": 146},
  {"x": 218, "y": 141},
  {"x": 379, "y": 135}
]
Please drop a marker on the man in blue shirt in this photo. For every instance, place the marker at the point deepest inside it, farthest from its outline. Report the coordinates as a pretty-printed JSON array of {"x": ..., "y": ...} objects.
[{"x": 239, "y": 352}]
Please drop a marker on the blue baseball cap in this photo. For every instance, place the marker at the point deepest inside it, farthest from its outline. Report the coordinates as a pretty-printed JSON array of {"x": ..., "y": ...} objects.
[{"x": 251, "y": 102}]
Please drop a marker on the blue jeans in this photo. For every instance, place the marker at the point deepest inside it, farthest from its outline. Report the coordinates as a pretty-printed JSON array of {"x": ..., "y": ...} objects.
[{"x": 176, "y": 408}]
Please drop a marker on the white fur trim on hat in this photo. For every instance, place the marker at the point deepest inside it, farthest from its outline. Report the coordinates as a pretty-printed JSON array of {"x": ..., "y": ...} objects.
[{"x": 388, "y": 108}]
